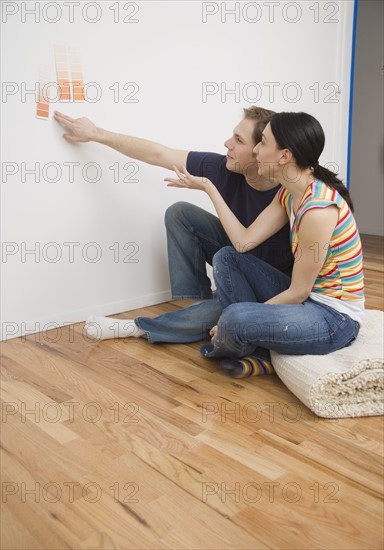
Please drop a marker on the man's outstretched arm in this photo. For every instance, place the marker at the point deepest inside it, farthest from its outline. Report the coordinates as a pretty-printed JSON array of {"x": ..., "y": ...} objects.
[{"x": 83, "y": 130}]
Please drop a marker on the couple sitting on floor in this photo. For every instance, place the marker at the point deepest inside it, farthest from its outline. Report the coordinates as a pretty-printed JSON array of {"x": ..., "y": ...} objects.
[{"x": 285, "y": 248}]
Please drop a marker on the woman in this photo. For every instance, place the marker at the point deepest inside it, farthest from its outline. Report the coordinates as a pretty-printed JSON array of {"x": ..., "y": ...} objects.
[{"x": 320, "y": 308}]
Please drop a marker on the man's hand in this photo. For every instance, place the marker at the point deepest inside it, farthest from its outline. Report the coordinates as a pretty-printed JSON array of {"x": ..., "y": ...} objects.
[
  {"x": 186, "y": 180},
  {"x": 77, "y": 129}
]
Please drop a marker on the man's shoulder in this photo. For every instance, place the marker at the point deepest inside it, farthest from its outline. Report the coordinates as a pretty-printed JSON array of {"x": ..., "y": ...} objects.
[
  {"x": 205, "y": 156},
  {"x": 209, "y": 165}
]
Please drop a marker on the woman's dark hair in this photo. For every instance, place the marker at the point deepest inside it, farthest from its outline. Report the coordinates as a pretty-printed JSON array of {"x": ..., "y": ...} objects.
[{"x": 303, "y": 135}]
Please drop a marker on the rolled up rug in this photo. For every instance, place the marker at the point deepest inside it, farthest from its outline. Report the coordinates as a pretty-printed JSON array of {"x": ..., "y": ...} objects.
[{"x": 348, "y": 382}]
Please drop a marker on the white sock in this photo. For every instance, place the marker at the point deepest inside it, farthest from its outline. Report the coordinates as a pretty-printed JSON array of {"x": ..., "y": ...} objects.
[{"x": 103, "y": 328}]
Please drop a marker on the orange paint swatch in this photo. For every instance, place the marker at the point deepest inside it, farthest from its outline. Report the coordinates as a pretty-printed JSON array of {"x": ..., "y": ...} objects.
[
  {"x": 42, "y": 105},
  {"x": 76, "y": 75},
  {"x": 62, "y": 73}
]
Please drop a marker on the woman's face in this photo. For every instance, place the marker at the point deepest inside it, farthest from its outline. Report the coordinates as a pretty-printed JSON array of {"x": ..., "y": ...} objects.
[{"x": 268, "y": 155}]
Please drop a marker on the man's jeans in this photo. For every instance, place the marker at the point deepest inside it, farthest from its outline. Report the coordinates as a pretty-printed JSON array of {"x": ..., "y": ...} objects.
[
  {"x": 193, "y": 236},
  {"x": 247, "y": 325},
  {"x": 189, "y": 324}
]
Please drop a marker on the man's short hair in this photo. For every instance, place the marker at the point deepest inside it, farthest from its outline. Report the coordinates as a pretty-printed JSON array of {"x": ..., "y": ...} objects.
[{"x": 262, "y": 117}]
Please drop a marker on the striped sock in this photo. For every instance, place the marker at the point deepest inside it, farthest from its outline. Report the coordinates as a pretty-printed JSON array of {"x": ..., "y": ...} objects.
[{"x": 248, "y": 366}]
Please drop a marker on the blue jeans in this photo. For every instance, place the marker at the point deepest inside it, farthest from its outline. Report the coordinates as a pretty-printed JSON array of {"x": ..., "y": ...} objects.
[
  {"x": 249, "y": 326},
  {"x": 193, "y": 238},
  {"x": 190, "y": 324}
]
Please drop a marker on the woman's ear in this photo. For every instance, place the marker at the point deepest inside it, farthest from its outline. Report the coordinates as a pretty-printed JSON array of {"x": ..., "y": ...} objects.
[{"x": 285, "y": 156}]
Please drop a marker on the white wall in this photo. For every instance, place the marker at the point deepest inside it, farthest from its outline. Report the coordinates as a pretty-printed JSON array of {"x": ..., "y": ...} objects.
[
  {"x": 281, "y": 55},
  {"x": 367, "y": 160}
]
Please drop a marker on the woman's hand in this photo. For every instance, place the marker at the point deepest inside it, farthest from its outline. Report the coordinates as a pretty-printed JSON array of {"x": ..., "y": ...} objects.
[
  {"x": 186, "y": 180},
  {"x": 213, "y": 334}
]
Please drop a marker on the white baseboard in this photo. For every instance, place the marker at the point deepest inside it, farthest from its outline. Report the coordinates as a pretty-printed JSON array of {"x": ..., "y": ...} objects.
[{"x": 15, "y": 329}]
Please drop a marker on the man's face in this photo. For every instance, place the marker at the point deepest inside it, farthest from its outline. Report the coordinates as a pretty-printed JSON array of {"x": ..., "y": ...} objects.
[{"x": 240, "y": 147}]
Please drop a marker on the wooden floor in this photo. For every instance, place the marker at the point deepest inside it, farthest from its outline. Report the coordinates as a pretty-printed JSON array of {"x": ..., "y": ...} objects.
[{"x": 122, "y": 444}]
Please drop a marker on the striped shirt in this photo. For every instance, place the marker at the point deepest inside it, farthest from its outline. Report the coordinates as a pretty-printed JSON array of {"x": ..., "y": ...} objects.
[{"x": 340, "y": 282}]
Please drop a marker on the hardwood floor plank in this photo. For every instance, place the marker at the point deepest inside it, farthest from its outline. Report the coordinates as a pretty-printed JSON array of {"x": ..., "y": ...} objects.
[
  {"x": 153, "y": 447},
  {"x": 16, "y": 534}
]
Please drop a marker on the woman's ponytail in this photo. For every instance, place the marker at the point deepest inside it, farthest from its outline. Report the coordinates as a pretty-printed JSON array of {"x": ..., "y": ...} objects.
[{"x": 331, "y": 179}]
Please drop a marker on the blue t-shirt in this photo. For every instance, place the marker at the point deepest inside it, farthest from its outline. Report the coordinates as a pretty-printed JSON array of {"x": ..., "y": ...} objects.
[{"x": 246, "y": 203}]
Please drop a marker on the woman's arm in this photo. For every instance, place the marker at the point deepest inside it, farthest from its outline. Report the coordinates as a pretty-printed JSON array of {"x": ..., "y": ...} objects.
[
  {"x": 316, "y": 231},
  {"x": 242, "y": 238}
]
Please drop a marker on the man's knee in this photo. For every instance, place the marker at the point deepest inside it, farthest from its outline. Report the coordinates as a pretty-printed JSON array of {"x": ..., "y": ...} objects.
[{"x": 178, "y": 211}]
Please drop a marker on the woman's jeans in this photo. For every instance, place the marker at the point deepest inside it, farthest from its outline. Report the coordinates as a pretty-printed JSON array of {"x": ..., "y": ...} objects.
[{"x": 247, "y": 324}]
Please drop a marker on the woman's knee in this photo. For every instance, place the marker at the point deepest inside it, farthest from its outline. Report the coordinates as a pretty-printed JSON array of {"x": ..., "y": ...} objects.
[
  {"x": 228, "y": 256},
  {"x": 232, "y": 328},
  {"x": 224, "y": 256},
  {"x": 233, "y": 317}
]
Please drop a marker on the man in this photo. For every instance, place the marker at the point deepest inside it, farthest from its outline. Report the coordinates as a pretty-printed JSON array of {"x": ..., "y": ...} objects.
[{"x": 194, "y": 235}]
